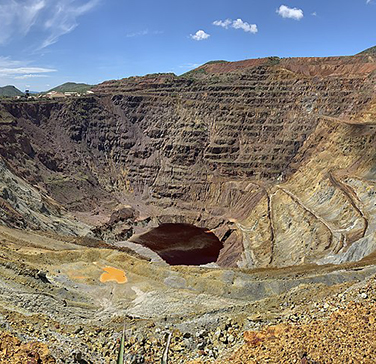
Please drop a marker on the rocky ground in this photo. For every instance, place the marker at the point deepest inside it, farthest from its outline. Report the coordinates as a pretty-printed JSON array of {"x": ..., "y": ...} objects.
[
  {"x": 53, "y": 306},
  {"x": 340, "y": 329},
  {"x": 337, "y": 329},
  {"x": 334, "y": 327},
  {"x": 13, "y": 350}
]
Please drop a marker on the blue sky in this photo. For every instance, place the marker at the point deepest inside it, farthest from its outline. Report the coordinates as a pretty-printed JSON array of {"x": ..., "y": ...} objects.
[{"x": 44, "y": 43}]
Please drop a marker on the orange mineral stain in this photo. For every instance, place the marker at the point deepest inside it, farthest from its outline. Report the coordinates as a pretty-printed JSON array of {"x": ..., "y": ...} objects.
[{"x": 113, "y": 274}]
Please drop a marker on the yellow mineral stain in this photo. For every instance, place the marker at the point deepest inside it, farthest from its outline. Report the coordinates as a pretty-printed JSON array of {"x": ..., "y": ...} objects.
[{"x": 113, "y": 274}]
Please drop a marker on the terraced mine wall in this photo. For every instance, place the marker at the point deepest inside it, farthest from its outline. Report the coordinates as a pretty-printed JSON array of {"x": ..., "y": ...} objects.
[{"x": 274, "y": 156}]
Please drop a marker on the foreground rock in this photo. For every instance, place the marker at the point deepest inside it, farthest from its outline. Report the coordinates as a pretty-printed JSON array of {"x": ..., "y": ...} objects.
[
  {"x": 12, "y": 350},
  {"x": 344, "y": 333},
  {"x": 51, "y": 292}
]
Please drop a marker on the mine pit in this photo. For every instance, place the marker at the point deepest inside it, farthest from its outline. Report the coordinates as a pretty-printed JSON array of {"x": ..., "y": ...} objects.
[
  {"x": 272, "y": 159},
  {"x": 182, "y": 244}
]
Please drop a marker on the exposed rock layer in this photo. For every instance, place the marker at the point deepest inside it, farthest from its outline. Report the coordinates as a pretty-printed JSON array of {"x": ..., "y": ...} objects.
[{"x": 274, "y": 156}]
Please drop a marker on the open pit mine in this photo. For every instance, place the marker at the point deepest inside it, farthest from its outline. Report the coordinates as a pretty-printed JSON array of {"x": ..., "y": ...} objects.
[{"x": 232, "y": 207}]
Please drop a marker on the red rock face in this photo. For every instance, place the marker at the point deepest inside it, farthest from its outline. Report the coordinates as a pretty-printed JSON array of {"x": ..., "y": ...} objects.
[{"x": 352, "y": 66}]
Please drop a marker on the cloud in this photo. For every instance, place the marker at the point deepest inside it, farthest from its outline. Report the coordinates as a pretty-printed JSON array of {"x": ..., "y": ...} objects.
[
  {"x": 16, "y": 70},
  {"x": 200, "y": 35},
  {"x": 237, "y": 24},
  {"x": 137, "y": 34},
  {"x": 53, "y": 18},
  {"x": 189, "y": 65},
  {"x": 24, "y": 77},
  {"x": 368, "y": 1},
  {"x": 63, "y": 18},
  {"x": 143, "y": 32},
  {"x": 17, "y": 17},
  {"x": 20, "y": 70},
  {"x": 240, "y": 24},
  {"x": 222, "y": 23},
  {"x": 314, "y": 13},
  {"x": 290, "y": 13},
  {"x": 8, "y": 62}
]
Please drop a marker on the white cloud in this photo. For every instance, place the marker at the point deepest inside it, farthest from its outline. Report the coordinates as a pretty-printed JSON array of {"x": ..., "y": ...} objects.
[
  {"x": 17, "y": 17},
  {"x": 20, "y": 70},
  {"x": 143, "y": 32},
  {"x": 24, "y": 77},
  {"x": 240, "y": 24},
  {"x": 290, "y": 13},
  {"x": 53, "y": 18},
  {"x": 8, "y": 62},
  {"x": 237, "y": 24},
  {"x": 200, "y": 35},
  {"x": 64, "y": 18},
  {"x": 189, "y": 65},
  {"x": 137, "y": 34},
  {"x": 222, "y": 23},
  {"x": 314, "y": 13}
]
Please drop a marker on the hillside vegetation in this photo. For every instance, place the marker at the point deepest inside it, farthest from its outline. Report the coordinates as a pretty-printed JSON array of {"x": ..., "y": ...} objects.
[
  {"x": 72, "y": 87},
  {"x": 10, "y": 91},
  {"x": 370, "y": 51}
]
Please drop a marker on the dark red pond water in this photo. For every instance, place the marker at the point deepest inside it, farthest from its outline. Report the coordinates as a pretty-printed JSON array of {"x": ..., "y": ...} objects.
[{"x": 182, "y": 244}]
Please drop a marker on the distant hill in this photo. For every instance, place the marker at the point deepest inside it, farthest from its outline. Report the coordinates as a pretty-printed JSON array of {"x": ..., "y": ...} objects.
[
  {"x": 72, "y": 87},
  {"x": 10, "y": 91},
  {"x": 371, "y": 50}
]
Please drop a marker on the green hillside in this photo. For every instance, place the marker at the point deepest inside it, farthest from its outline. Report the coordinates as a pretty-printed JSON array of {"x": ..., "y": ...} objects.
[
  {"x": 72, "y": 87},
  {"x": 10, "y": 91}
]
